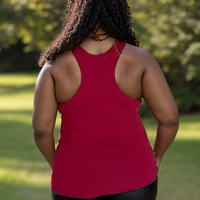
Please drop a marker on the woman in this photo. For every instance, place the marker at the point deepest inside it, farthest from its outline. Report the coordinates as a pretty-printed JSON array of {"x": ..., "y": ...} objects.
[{"x": 95, "y": 74}]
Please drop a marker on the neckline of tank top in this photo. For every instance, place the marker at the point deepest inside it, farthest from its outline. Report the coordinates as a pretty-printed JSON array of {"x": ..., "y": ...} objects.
[{"x": 102, "y": 54}]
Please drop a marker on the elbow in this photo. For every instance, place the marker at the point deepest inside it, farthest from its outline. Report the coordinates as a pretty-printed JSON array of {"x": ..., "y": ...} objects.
[
  {"x": 172, "y": 120},
  {"x": 42, "y": 129},
  {"x": 40, "y": 132}
]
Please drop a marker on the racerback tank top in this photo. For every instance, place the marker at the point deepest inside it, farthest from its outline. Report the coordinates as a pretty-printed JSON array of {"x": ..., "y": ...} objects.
[{"x": 103, "y": 147}]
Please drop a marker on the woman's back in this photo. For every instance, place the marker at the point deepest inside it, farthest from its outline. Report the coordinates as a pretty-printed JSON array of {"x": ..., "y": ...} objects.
[
  {"x": 128, "y": 74},
  {"x": 102, "y": 137}
]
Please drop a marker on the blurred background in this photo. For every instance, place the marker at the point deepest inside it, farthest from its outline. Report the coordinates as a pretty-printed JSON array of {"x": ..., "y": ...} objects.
[{"x": 169, "y": 29}]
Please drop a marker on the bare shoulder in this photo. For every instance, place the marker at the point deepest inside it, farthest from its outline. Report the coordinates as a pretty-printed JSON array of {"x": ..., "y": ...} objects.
[
  {"x": 59, "y": 65},
  {"x": 138, "y": 52},
  {"x": 141, "y": 56},
  {"x": 61, "y": 60}
]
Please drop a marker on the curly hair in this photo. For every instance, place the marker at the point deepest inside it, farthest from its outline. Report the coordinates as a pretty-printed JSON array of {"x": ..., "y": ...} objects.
[{"x": 82, "y": 16}]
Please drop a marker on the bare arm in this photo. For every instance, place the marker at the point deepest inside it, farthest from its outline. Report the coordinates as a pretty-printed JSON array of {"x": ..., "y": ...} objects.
[
  {"x": 44, "y": 114},
  {"x": 159, "y": 98}
]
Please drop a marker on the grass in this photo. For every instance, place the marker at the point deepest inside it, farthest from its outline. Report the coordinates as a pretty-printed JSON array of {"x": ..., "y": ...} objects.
[{"x": 24, "y": 174}]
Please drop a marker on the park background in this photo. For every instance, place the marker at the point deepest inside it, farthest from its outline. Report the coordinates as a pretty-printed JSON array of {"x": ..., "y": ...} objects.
[{"x": 169, "y": 29}]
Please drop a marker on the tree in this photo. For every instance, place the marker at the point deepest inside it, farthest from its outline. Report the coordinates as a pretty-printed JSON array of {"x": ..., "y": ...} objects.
[
  {"x": 169, "y": 29},
  {"x": 172, "y": 32},
  {"x": 34, "y": 22},
  {"x": 26, "y": 27}
]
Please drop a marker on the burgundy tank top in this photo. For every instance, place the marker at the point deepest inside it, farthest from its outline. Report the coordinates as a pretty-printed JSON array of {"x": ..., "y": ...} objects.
[{"x": 103, "y": 147}]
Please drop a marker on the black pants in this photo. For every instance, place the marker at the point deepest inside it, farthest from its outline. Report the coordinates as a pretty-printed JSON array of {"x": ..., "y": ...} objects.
[{"x": 148, "y": 192}]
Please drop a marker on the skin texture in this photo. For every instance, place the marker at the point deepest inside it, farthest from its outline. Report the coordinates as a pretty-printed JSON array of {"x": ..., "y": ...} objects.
[{"x": 138, "y": 75}]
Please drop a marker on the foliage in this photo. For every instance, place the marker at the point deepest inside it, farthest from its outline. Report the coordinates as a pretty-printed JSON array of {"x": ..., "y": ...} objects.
[
  {"x": 27, "y": 26},
  {"x": 172, "y": 32},
  {"x": 34, "y": 22},
  {"x": 169, "y": 29}
]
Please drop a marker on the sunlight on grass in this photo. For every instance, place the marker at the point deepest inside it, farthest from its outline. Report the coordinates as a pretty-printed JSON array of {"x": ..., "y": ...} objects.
[
  {"x": 25, "y": 175},
  {"x": 18, "y": 115},
  {"x": 183, "y": 134},
  {"x": 15, "y": 105},
  {"x": 16, "y": 91},
  {"x": 188, "y": 129},
  {"x": 17, "y": 171},
  {"x": 17, "y": 79}
]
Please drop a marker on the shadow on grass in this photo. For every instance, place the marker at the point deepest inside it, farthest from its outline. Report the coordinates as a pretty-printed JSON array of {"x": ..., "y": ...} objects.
[
  {"x": 12, "y": 90},
  {"x": 179, "y": 171},
  {"x": 23, "y": 168},
  {"x": 16, "y": 133},
  {"x": 24, "y": 173},
  {"x": 21, "y": 191}
]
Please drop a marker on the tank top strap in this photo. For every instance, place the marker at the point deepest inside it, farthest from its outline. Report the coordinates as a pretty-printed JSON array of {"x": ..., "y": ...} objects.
[
  {"x": 119, "y": 46},
  {"x": 98, "y": 74}
]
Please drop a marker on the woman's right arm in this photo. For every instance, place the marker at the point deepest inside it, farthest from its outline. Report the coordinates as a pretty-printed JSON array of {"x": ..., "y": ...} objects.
[
  {"x": 44, "y": 114},
  {"x": 159, "y": 98}
]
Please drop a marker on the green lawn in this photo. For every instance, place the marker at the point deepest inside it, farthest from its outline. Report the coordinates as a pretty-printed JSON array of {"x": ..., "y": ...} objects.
[{"x": 24, "y": 174}]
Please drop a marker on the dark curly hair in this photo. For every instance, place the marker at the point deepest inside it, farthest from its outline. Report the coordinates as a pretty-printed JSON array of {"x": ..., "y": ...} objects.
[{"x": 82, "y": 16}]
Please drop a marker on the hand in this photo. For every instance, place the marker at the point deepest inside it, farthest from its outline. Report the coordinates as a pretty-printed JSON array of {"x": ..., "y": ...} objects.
[{"x": 157, "y": 160}]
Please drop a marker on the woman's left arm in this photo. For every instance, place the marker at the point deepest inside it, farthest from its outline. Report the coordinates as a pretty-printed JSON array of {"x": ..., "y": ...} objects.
[
  {"x": 159, "y": 98},
  {"x": 44, "y": 114}
]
